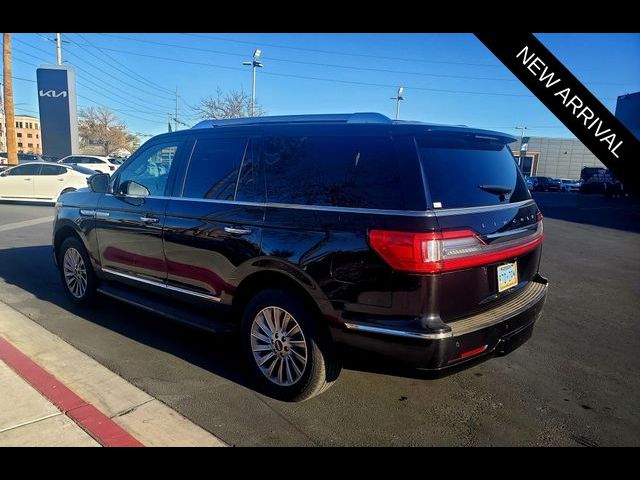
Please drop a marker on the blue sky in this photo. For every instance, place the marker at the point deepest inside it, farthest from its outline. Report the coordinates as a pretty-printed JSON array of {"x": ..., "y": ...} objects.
[{"x": 437, "y": 70}]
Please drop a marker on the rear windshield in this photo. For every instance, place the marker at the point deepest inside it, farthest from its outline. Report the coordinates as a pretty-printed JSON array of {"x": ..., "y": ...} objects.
[{"x": 468, "y": 171}]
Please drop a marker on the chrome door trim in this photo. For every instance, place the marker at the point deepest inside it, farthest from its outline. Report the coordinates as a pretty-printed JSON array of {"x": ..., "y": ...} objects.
[
  {"x": 374, "y": 211},
  {"x": 161, "y": 285}
]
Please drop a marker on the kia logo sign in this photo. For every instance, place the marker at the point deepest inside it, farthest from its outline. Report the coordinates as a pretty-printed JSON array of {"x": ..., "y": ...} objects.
[{"x": 53, "y": 93}]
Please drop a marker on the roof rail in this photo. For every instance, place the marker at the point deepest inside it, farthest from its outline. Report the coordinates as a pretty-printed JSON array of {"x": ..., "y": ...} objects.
[{"x": 364, "y": 117}]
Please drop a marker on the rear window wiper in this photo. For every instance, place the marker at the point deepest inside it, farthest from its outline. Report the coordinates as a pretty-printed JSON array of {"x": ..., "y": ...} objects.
[{"x": 496, "y": 189}]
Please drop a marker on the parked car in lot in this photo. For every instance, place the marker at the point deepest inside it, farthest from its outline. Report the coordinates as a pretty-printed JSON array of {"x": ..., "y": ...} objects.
[
  {"x": 546, "y": 184},
  {"x": 568, "y": 185},
  {"x": 306, "y": 232},
  {"x": 94, "y": 162},
  {"x": 41, "y": 181}
]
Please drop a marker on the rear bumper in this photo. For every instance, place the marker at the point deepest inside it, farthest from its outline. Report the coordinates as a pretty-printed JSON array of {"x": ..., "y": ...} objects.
[{"x": 496, "y": 331}]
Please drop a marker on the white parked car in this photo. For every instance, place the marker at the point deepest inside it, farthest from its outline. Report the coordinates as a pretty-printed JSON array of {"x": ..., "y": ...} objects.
[
  {"x": 568, "y": 185},
  {"x": 41, "y": 181},
  {"x": 94, "y": 162}
]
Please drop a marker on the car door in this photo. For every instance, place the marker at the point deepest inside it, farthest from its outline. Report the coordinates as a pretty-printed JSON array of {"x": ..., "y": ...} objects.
[
  {"x": 51, "y": 180},
  {"x": 18, "y": 182},
  {"x": 213, "y": 226},
  {"x": 129, "y": 220}
]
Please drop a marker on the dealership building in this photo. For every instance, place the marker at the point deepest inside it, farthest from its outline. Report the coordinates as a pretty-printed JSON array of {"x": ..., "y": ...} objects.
[{"x": 565, "y": 157}]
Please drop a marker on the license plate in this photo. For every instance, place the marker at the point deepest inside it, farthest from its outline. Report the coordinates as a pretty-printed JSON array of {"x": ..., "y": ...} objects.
[{"x": 507, "y": 276}]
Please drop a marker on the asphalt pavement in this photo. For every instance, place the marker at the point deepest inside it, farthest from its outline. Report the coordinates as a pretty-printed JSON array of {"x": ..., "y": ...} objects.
[{"x": 574, "y": 383}]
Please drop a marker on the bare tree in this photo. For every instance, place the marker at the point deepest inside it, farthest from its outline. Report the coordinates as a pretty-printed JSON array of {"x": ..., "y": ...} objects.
[
  {"x": 10, "y": 119},
  {"x": 99, "y": 126},
  {"x": 234, "y": 104}
]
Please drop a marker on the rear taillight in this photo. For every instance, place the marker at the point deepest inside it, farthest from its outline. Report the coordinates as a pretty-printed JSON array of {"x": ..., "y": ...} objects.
[{"x": 449, "y": 250}]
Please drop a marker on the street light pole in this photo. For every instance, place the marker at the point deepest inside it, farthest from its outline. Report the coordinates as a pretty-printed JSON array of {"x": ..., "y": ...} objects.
[
  {"x": 59, "y": 48},
  {"x": 522, "y": 129},
  {"x": 398, "y": 98},
  {"x": 254, "y": 64}
]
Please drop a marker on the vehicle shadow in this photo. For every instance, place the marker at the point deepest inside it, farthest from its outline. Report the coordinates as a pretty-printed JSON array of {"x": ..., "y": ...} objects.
[
  {"x": 592, "y": 209},
  {"x": 32, "y": 269}
]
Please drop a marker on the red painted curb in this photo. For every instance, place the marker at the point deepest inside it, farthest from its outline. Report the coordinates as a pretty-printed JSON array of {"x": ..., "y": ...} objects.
[{"x": 107, "y": 432}]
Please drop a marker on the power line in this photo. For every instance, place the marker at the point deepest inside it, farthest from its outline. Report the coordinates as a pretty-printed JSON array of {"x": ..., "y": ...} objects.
[
  {"x": 133, "y": 72},
  {"x": 319, "y": 64},
  {"x": 108, "y": 87},
  {"x": 110, "y": 75},
  {"x": 87, "y": 98},
  {"x": 331, "y": 65},
  {"x": 304, "y": 77},
  {"x": 335, "y": 52}
]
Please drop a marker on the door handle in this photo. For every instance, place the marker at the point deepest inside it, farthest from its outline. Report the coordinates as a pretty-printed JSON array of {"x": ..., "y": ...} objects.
[
  {"x": 27, "y": 179},
  {"x": 149, "y": 219},
  {"x": 237, "y": 231},
  {"x": 61, "y": 179}
]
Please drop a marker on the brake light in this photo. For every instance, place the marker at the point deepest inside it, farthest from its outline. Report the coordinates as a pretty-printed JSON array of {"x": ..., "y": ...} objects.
[{"x": 434, "y": 252}]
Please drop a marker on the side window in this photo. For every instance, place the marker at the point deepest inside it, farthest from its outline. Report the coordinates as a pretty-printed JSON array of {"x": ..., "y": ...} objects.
[
  {"x": 70, "y": 160},
  {"x": 52, "y": 170},
  {"x": 93, "y": 160},
  {"x": 213, "y": 168},
  {"x": 341, "y": 171},
  {"x": 29, "y": 169},
  {"x": 250, "y": 186},
  {"x": 149, "y": 172}
]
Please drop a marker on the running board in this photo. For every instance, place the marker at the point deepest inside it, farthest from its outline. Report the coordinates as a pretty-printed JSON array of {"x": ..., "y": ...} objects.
[{"x": 166, "y": 308}]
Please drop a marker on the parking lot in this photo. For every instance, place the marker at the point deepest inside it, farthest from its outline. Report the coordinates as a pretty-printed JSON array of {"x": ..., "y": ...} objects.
[{"x": 574, "y": 383}]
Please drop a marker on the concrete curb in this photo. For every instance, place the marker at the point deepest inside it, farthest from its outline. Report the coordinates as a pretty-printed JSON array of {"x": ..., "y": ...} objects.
[{"x": 149, "y": 420}]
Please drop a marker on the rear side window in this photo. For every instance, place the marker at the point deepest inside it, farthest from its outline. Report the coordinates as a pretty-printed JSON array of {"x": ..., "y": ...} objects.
[
  {"x": 213, "y": 168},
  {"x": 467, "y": 171},
  {"x": 339, "y": 171},
  {"x": 52, "y": 170}
]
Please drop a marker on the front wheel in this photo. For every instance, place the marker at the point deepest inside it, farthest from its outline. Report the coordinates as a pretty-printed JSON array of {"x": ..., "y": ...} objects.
[
  {"x": 289, "y": 354},
  {"x": 76, "y": 272}
]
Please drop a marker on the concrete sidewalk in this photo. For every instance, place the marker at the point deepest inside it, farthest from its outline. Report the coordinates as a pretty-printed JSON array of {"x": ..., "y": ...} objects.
[
  {"x": 51, "y": 394},
  {"x": 28, "y": 419}
]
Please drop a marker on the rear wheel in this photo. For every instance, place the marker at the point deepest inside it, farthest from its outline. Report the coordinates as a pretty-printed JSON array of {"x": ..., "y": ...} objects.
[
  {"x": 76, "y": 272},
  {"x": 289, "y": 355}
]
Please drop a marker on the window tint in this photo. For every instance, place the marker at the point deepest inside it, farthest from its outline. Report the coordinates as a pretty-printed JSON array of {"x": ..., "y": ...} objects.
[
  {"x": 462, "y": 169},
  {"x": 213, "y": 168},
  {"x": 70, "y": 160},
  {"x": 53, "y": 170},
  {"x": 93, "y": 160},
  {"x": 341, "y": 171},
  {"x": 28, "y": 169},
  {"x": 149, "y": 172}
]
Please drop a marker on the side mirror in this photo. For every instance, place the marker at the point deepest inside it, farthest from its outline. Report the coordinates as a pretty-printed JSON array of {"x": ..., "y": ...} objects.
[{"x": 99, "y": 183}]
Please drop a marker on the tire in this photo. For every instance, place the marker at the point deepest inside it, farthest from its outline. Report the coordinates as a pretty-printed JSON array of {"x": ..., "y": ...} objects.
[
  {"x": 83, "y": 297},
  {"x": 321, "y": 367}
]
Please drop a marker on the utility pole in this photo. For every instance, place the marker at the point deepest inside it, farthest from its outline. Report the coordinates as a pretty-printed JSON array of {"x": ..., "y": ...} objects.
[
  {"x": 10, "y": 118},
  {"x": 398, "y": 98},
  {"x": 59, "y": 48},
  {"x": 176, "y": 108},
  {"x": 169, "y": 121},
  {"x": 254, "y": 64}
]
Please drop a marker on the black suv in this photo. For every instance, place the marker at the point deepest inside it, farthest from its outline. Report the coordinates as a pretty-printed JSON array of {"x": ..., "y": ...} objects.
[{"x": 416, "y": 241}]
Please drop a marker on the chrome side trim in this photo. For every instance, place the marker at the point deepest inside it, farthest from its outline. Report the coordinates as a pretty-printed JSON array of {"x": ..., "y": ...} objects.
[
  {"x": 373, "y": 211},
  {"x": 87, "y": 213},
  {"x": 397, "y": 333},
  {"x": 100, "y": 214},
  {"x": 161, "y": 285}
]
